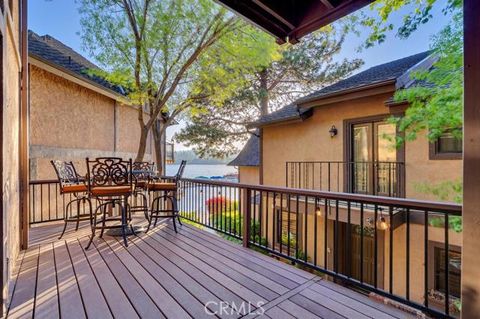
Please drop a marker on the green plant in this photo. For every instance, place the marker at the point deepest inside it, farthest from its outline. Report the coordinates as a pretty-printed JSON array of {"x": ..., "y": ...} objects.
[
  {"x": 445, "y": 191},
  {"x": 454, "y": 223},
  {"x": 190, "y": 218}
]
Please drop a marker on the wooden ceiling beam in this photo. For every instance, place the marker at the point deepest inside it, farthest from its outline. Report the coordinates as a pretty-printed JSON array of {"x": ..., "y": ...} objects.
[
  {"x": 327, "y": 4},
  {"x": 274, "y": 14},
  {"x": 277, "y": 19},
  {"x": 332, "y": 15}
]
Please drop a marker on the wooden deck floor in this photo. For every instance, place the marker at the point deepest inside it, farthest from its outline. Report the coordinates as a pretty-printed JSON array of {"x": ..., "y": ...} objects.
[{"x": 192, "y": 274}]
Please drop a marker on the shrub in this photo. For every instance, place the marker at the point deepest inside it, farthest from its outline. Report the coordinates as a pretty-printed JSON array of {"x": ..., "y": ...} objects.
[{"x": 218, "y": 204}]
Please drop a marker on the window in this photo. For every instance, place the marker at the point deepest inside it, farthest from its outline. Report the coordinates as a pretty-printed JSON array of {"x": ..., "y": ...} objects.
[
  {"x": 454, "y": 266},
  {"x": 447, "y": 146}
]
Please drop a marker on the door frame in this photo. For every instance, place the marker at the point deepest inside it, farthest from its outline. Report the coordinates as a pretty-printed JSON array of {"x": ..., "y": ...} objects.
[{"x": 348, "y": 151}]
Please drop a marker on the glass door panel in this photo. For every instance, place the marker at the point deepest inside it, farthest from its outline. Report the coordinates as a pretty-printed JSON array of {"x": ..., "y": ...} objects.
[
  {"x": 362, "y": 155},
  {"x": 385, "y": 158}
]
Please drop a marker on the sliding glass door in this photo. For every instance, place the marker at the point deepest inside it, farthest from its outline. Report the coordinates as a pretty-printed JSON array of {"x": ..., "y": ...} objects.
[{"x": 373, "y": 168}]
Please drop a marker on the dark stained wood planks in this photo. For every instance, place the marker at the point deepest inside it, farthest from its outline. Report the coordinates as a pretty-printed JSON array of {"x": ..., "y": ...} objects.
[{"x": 192, "y": 274}]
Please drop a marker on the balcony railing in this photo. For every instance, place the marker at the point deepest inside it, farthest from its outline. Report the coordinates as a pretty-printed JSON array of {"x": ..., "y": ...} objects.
[
  {"x": 401, "y": 249},
  {"x": 370, "y": 178}
]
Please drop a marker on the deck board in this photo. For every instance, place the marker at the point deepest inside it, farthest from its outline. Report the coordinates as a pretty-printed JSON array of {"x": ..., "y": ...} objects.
[
  {"x": 46, "y": 297},
  {"x": 259, "y": 278},
  {"x": 230, "y": 271},
  {"x": 195, "y": 272},
  {"x": 71, "y": 301},
  {"x": 22, "y": 302},
  {"x": 95, "y": 304},
  {"x": 112, "y": 291},
  {"x": 161, "y": 274}
]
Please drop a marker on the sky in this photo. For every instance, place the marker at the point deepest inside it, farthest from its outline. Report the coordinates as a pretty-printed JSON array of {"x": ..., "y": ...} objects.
[{"x": 60, "y": 19}]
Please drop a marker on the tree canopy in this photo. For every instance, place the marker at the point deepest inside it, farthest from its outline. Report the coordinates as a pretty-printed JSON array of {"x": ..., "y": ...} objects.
[
  {"x": 298, "y": 70},
  {"x": 170, "y": 55},
  {"x": 436, "y": 99}
]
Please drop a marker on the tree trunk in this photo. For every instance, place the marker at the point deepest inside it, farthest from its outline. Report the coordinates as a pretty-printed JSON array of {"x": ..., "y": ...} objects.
[
  {"x": 158, "y": 139},
  {"x": 142, "y": 145},
  {"x": 264, "y": 97}
]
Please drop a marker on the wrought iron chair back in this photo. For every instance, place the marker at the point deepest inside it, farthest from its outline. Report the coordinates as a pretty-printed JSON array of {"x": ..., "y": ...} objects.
[
  {"x": 143, "y": 171},
  {"x": 109, "y": 171},
  {"x": 66, "y": 173},
  {"x": 180, "y": 171}
]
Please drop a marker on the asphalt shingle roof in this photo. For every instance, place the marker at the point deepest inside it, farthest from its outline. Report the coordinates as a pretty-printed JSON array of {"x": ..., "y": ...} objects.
[
  {"x": 49, "y": 49},
  {"x": 378, "y": 74},
  {"x": 374, "y": 75},
  {"x": 250, "y": 154}
]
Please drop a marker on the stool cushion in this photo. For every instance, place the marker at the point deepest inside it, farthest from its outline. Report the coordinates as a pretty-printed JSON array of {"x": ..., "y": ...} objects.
[
  {"x": 111, "y": 190},
  {"x": 74, "y": 188},
  {"x": 141, "y": 184},
  {"x": 162, "y": 186}
]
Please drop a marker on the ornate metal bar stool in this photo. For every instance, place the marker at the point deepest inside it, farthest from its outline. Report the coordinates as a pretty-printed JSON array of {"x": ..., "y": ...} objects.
[
  {"x": 73, "y": 184},
  {"x": 110, "y": 181},
  {"x": 165, "y": 204},
  {"x": 143, "y": 173}
]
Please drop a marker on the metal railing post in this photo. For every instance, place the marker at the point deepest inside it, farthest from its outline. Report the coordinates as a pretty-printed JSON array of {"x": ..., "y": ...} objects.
[{"x": 247, "y": 216}]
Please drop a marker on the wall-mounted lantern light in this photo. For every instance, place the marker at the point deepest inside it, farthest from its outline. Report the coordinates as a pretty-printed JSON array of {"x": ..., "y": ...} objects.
[
  {"x": 333, "y": 131},
  {"x": 382, "y": 222}
]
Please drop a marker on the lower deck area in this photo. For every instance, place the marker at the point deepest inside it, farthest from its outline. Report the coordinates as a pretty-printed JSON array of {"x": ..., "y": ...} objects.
[{"x": 162, "y": 274}]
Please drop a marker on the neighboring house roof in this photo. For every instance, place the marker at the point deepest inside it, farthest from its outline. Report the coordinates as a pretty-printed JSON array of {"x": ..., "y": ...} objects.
[
  {"x": 250, "y": 154},
  {"x": 378, "y": 74},
  {"x": 286, "y": 113},
  {"x": 398, "y": 72},
  {"x": 50, "y": 50}
]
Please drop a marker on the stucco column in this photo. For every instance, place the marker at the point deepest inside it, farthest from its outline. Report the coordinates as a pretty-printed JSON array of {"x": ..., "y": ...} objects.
[{"x": 471, "y": 164}]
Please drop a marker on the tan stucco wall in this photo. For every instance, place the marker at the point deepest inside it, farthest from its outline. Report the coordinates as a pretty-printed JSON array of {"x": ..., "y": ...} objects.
[
  {"x": 64, "y": 114},
  {"x": 71, "y": 122},
  {"x": 249, "y": 175},
  {"x": 420, "y": 170},
  {"x": 310, "y": 141},
  {"x": 10, "y": 182}
]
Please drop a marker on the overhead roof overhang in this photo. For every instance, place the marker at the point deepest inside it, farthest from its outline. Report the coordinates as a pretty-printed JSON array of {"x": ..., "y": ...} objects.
[{"x": 289, "y": 20}]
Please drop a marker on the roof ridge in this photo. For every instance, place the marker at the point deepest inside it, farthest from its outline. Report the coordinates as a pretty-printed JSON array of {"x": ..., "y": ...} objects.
[
  {"x": 65, "y": 49},
  {"x": 365, "y": 77},
  {"x": 54, "y": 51},
  {"x": 396, "y": 60}
]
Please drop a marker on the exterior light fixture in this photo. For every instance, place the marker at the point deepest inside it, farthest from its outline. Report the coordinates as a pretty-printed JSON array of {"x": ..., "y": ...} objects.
[
  {"x": 382, "y": 223},
  {"x": 318, "y": 212},
  {"x": 333, "y": 131}
]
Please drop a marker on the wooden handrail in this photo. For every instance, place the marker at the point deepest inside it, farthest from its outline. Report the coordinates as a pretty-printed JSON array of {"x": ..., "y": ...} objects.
[{"x": 452, "y": 208}]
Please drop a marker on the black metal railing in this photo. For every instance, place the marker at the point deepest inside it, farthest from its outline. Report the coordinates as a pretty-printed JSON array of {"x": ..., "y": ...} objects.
[
  {"x": 372, "y": 178},
  {"x": 405, "y": 250},
  {"x": 379, "y": 244},
  {"x": 46, "y": 202}
]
